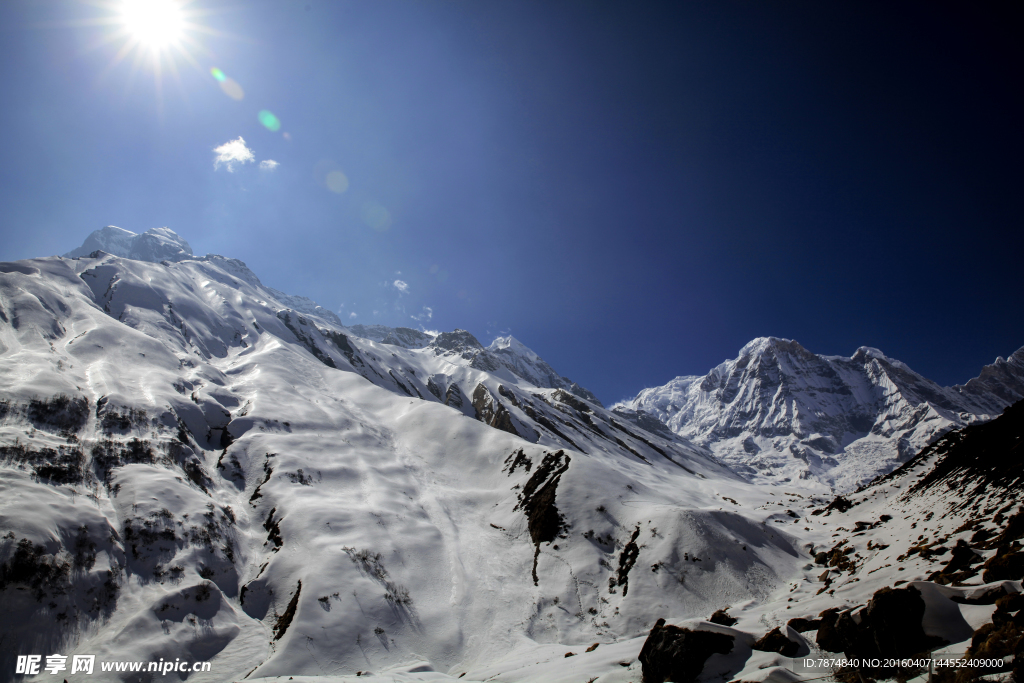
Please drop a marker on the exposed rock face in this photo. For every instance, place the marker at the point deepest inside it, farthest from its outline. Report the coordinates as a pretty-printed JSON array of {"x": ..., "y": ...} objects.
[
  {"x": 678, "y": 654},
  {"x": 537, "y": 501},
  {"x": 779, "y": 412},
  {"x": 407, "y": 338},
  {"x": 491, "y": 412},
  {"x": 458, "y": 342},
  {"x": 453, "y": 397}
]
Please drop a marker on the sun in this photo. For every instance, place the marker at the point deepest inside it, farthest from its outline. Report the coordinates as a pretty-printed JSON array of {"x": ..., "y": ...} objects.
[
  {"x": 152, "y": 35},
  {"x": 155, "y": 24}
]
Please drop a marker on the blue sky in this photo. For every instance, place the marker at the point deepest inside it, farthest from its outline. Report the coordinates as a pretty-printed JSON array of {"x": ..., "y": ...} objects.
[{"x": 634, "y": 190}]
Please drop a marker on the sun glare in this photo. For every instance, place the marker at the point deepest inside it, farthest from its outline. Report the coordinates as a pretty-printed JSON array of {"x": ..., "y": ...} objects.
[{"x": 156, "y": 24}]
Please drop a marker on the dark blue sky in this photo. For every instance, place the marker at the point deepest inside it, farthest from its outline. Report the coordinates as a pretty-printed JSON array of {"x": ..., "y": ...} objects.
[{"x": 635, "y": 190}]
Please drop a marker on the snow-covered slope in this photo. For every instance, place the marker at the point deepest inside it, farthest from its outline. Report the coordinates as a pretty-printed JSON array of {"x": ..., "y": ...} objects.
[
  {"x": 779, "y": 413},
  {"x": 191, "y": 468}
]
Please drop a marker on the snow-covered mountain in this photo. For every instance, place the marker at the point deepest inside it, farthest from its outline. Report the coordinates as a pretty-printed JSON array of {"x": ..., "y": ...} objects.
[
  {"x": 780, "y": 413},
  {"x": 183, "y": 453},
  {"x": 194, "y": 467}
]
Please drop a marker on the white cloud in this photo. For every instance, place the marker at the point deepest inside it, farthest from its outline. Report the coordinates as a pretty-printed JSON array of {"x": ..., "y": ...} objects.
[
  {"x": 268, "y": 165},
  {"x": 352, "y": 314},
  {"x": 426, "y": 315},
  {"x": 231, "y": 153},
  {"x": 402, "y": 287}
]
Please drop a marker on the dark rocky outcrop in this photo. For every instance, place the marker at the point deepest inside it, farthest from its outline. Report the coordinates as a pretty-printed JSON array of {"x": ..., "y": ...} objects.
[
  {"x": 801, "y": 625},
  {"x": 1002, "y": 638},
  {"x": 515, "y": 460},
  {"x": 775, "y": 641},
  {"x": 839, "y": 504},
  {"x": 888, "y": 627},
  {"x": 960, "y": 566},
  {"x": 453, "y": 397},
  {"x": 299, "y": 326},
  {"x": 627, "y": 558},
  {"x": 1008, "y": 564},
  {"x": 64, "y": 465},
  {"x": 341, "y": 341},
  {"x": 722, "y": 617},
  {"x": 458, "y": 341},
  {"x": 676, "y": 654},
  {"x": 491, "y": 412},
  {"x": 285, "y": 620},
  {"x": 61, "y": 413},
  {"x": 537, "y": 501}
]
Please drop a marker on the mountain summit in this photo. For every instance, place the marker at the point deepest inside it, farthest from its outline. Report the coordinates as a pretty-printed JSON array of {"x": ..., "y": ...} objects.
[
  {"x": 780, "y": 413},
  {"x": 155, "y": 245}
]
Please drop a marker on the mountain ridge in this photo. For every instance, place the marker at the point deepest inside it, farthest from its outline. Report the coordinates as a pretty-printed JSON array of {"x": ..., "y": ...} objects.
[{"x": 779, "y": 412}]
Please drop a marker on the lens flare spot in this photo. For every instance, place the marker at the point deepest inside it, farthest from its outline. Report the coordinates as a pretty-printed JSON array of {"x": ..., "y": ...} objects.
[
  {"x": 218, "y": 74},
  {"x": 336, "y": 182},
  {"x": 376, "y": 216},
  {"x": 232, "y": 89},
  {"x": 269, "y": 121},
  {"x": 287, "y": 136}
]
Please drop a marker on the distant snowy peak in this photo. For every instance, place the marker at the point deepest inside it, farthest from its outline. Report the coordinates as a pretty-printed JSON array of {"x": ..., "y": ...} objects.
[
  {"x": 523, "y": 362},
  {"x": 780, "y": 412},
  {"x": 154, "y": 245}
]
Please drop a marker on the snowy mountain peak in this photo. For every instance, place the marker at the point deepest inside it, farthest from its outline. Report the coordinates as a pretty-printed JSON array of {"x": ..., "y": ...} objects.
[
  {"x": 163, "y": 244},
  {"x": 761, "y": 344},
  {"x": 514, "y": 346},
  {"x": 154, "y": 245},
  {"x": 779, "y": 412},
  {"x": 865, "y": 352}
]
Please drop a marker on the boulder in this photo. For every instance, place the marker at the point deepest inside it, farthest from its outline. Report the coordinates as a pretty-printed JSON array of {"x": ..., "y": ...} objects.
[
  {"x": 722, "y": 617},
  {"x": 775, "y": 641},
  {"x": 676, "y": 654}
]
